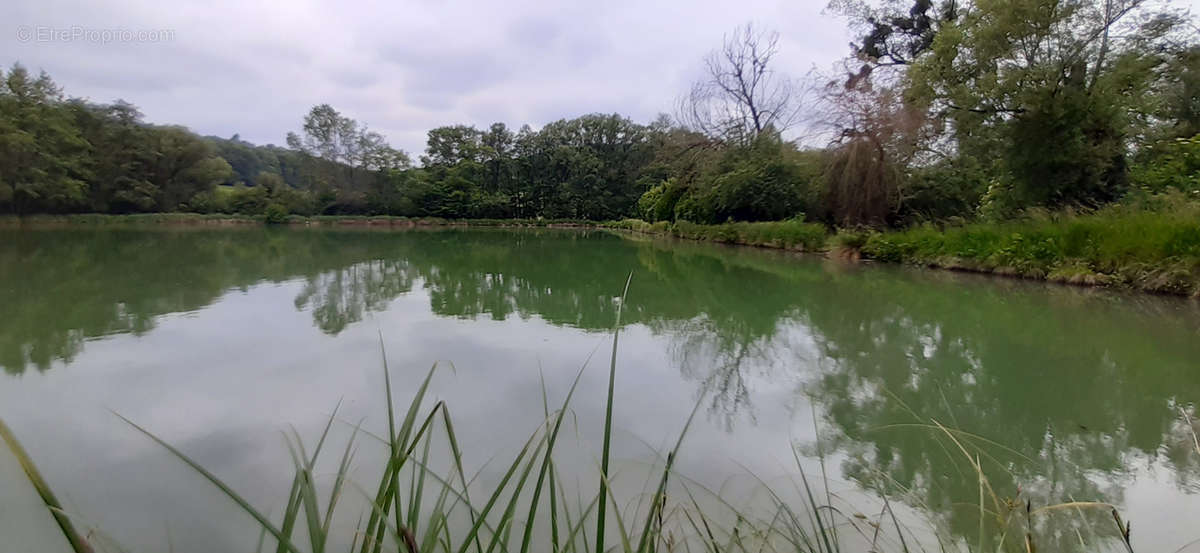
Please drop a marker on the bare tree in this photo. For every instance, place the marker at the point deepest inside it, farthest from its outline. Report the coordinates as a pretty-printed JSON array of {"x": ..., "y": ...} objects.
[{"x": 741, "y": 96}]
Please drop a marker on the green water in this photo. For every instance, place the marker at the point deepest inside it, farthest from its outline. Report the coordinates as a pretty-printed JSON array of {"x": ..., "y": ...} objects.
[{"x": 219, "y": 339}]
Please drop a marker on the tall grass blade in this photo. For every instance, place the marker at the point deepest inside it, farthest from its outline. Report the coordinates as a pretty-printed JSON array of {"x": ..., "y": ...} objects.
[
  {"x": 325, "y": 433},
  {"x": 437, "y": 519},
  {"x": 537, "y": 489},
  {"x": 656, "y": 502},
  {"x": 507, "y": 515},
  {"x": 820, "y": 526},
  {"x": 1123, "y": 529},
  {"x": 357, "y": 532},
  {"x": 458, "y": 466},
  {"x": 398, "y": 442},
  {"x": 414, "y": 504},
  {"x": 339, "y": 481},
  {"x": 1191, "y": 428},
  {"x": 821, "y": 459},
  {"x": 385, "y": 482},
  {"x": 621, "y": 528},
  {"x": 289, "y": 515},
  {"x": 262, "y": 538},
  {"x": 369, "y": 541},
  {"x": 495, "y": 497},
  {"x": 608, "y": 415},
  {"x": 308, "y": 495},
  {"x": 580, "y": 527},
  {"x": 896, "y": 523},
  {"x": 78, "y": 544},
  {"x": 239, "y": 500}
]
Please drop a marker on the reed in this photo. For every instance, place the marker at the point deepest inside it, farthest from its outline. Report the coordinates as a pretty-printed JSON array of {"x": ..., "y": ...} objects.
[{"x": 418, "y": 508}]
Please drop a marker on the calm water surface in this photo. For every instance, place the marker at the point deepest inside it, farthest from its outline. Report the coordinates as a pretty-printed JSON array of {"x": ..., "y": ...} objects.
[{"x": 218, "y": 340}]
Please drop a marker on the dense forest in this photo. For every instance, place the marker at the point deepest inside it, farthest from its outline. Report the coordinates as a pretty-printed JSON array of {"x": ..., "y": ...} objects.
[{"x": 943, "y": 111}]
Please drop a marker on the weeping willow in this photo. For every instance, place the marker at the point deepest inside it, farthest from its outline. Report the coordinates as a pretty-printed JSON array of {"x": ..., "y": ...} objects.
[{"x": 862, "y": 183}]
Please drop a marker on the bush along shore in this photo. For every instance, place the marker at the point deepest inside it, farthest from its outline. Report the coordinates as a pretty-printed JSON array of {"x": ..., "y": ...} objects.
[
  {"x": 1149, "y": 246},
  {"x": 788, "y": 235},
  {"x": 221, "y": 219},
  {"x": 1153, "y": 250}
]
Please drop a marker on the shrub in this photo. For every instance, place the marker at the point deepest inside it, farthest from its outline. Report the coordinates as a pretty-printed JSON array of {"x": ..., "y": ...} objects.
[
  {"x": 694, "y": 207},
  {"x": 250, "y": 200},
  {"x": 852, "y": 239},
  {"x": 1122, "y": 243},
  {"x": 208, "y": 201},
  {"x": 1172, "y": 164},
  {"x": 275, "y": 214}
]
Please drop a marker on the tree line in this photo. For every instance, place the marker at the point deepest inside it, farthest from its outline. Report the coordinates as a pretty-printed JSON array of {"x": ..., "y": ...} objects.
[{"x": 948, "y": 110}]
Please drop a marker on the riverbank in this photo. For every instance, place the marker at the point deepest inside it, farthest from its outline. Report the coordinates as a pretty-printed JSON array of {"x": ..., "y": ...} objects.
[
  {"x": 1155, "y": 249},
  {"x": 221, "y": 219},
  {"x": 785, "y": 235},
  {"x": 1150, "y": 250}
]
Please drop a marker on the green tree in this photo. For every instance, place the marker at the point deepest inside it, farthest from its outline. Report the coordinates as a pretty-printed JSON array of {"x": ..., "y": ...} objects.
[
  {"x": 118, "y": 158},
  {"x": 757, "y": 184},
  {"x": 498, "y": 143},
  {"x": 182, "y": 165},
  {"x": 43, "y": 155},
  {"x": 452, "y": 145},
  {"x": 1025, "y": 74}
]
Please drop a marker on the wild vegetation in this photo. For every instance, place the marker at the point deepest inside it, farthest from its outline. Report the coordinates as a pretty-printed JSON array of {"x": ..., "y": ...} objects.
[
  {"x": 422, "y": 505},
  {"x": 941, "y": 345},
  {"x": 787, "y": 235},
  {"x": 1155, "y": 250}
]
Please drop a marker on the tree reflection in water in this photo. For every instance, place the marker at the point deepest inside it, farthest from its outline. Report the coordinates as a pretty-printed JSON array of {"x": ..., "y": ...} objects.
[{"x": 1071, "y": 388}]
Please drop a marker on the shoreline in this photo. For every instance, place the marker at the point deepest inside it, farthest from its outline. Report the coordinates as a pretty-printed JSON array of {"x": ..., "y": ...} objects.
[
  {"x": 1179, "y": 278},
  {"x": 226, "y": 220}
]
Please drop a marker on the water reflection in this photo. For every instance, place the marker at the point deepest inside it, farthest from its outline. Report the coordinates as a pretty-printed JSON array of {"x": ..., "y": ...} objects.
[
  {"x": 1085, "y": 387},
  {"x": 1075, "y": 391}
]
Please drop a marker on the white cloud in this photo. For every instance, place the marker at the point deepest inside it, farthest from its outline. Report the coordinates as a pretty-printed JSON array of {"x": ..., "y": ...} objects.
[{"x": 255, "y": 67}]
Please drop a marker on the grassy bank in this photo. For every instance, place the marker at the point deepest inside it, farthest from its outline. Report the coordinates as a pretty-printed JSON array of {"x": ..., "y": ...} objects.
[
  {"x": 788, "y": 235},
  {"x": 223, "y": 219},
  {"x": 1154, "y": 250},
  {"x": 100, "y": 219},
  {"x": 1151, "y": 247}
]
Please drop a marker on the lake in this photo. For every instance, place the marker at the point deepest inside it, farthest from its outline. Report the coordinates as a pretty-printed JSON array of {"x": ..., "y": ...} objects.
[{"x": 218, "y": 340}]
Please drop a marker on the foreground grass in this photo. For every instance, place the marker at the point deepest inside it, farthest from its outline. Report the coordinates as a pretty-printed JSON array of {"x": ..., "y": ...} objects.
[
  {"x": 1152, "y": 250},
  {"x": 423, "y": 505}
]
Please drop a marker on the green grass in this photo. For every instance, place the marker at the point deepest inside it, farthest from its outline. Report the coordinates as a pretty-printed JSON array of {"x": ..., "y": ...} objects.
[
  {"x": 1153, "y": 250},
  {"x": 788, "y": 235},
  {"x": 77, "y": 542},
  {"x": 104, "y": 219}
]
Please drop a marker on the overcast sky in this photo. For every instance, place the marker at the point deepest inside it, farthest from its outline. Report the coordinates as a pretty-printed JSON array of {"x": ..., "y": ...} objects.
[{"x": 401, "y": 66}]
